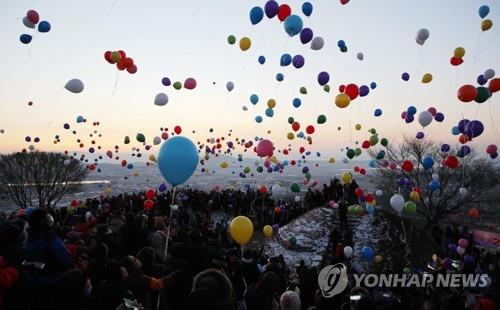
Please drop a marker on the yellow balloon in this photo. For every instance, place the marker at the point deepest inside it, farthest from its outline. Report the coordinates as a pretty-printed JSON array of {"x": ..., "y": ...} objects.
[
  {"x": 245, "y": 43},
  {"x": 241, "y": 229},
  {"x": 271, "y": 103},
  {"x": 290, "y": 136},
  {"x": 486, "y": 25},
  {"x": 459, "y": 52},
  {"x": 415, "y": 196},
  {"x": 267, "y": 230},
  {"x": 342, "y": 100},
  {"x": 378, "y": 259},
  {"x": 358, "y": 126},
  {"x": 427, "y": 78},
  {"x": 274, "y": 159},
  {"x": 152, "y": 158},
  {"x": 373, "y": 203},
  {"x": 115, "y": 57},
  {"x": 224, "y": 165},
  {"x": 346, "y": 177},
  {"x": 331, "y": 160},
  {"x": 136, "y": 174}
]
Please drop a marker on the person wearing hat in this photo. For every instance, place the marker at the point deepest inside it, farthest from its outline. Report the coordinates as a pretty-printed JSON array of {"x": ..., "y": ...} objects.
[
  {"x": 290, "y": 300},
  {"x": 212, "y": 290}
]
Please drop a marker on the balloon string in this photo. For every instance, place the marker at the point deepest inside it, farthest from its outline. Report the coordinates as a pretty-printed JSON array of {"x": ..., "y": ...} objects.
[
  {"x": 55, "y": 109},
  {"x": 115, "y": 86},
  {"x": 169, "y": 224},
  {"x": 491, "y": 118},
  {"x": 105, "y": 18}
]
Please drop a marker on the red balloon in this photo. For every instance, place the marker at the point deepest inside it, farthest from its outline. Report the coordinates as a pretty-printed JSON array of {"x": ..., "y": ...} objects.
[
  {"x": 352, "y": 91},
  {"x": 491, "y": 149},
  {"x": 494, "y": 85},
  {"x": 432, "y": 110},
  {"x": 189, "y": 83},
  {"x": 310, "y": 129},
  {"x": 342, "y": 88},
  {"x": 277, "y": 210},
  {"x": 107, "y": 56},
  {"x": 473, "y": 213},
  {"x": 148, "y": 204},
  {"x": 177, "y": 130},
  {"x": 284, "y": 11},
  {"x": 302, "y": 150},
  {"x": 265, "y": 148},
  {"x": 467, "y": 93},
  {"x": 33, "y": 16},
  {"x": 344, "y": 2},
  {"x": 122, "y": 54},
  {"x": 295, "y": 126},
  {"x": 263, "y": 189},
  {"x": 74, "y": 203},
  {"x": 407, "y": 166},
  {"x": 362, "y": 171},
  {"x": 366, "y": 144},
  {"x": 128, "y": 62},
  {"x": 463, "y": 139},
  {"x": 356, "y": 169},
  {"x": 358, "y": 191},
  {"x": 454, "y": 61},
  {"x": 132, "y": 69},
  {"x": 124, "y": 163},
  {"x": 369, "y": 197},
  {"x": 150, "y": 194},
  {"x": 451, "y": 162},
  {"x": 293, "y": 162},
  {"x": 417, "y": 189},
  {"x": 121, "y": 65}
]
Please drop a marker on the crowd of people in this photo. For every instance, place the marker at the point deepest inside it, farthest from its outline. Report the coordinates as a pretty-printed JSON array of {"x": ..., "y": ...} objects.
[{"x": 111, "y": 253}]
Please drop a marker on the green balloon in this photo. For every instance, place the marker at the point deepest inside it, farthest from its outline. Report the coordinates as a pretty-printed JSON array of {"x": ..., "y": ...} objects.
[
  {"x": 326, "y": 88},
  {"x": 177, "y": 85},
  {"x": 380, "y": 155},
  {"x": 246, "y": 170},
  {"x": 292, "y": 240},
  {"x": 127, "y": 140},
  {"x": 358, "y": 209},
  {"x": 308, "y": 176},
  {"x": 372, "y": 131},
  {"x": 231, "y": 39},
  {"x": 384, "y": 142},
  {"x": 358, "y": 151},
  {"x": 351, "y": 209},
  {"x": 291, "y": 120},
  {"x": 260, "y": 169},
  {"x": 303, "y": 90},
  {"x": 483, "y": 94},
  {"x": 294, "y": 187},
  {"x": 321, "y": 119},
  {"x": 140, "y": 137},
  {"x": 373, "y": 140},
  {"x": 351, "y": 153},
  {"x": 410, "y": 207}
]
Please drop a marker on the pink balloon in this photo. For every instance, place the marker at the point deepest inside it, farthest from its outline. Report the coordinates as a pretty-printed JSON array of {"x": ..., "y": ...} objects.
[
  {"x": 265, "y": 148},
  {"x": 33, "y": 16},
  {"x": 463, "y": 243},
  {"x": 190, "y": 83},
  {"x": 393, "y": 165}
]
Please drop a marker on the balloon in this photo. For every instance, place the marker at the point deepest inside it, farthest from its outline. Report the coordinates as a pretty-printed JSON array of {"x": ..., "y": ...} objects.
[
  {"x": 177, "y": 160},
  {"x": 422, "y": 35},
  {"x": 463, "y": 243},
  {"x": 321, "y": 119},
  {"x": 474, "y": 129},
  {"x": 27, "y": 23},
  {"x": 491, "y": 149},
  {"x": 407, "y": 166},
  {"x": 269, "y": 112},
  {"x": 397, "y": 202},
  {"x": 346, "y": 177},
  {"x": 271, "y": 8},
  {"x": 75, "y": 86},
  {"x": 265, "y": 148},
  {"x": 344, "y": 2},
  {"x": 156, "y": 140},
  {"x": 306, "y": 35},
  {"x": 241, "y": 229},
  {"x": 494, "y": 85},
  {"x": 262, "y": 60},
  {"x": 25, "y": 38},
  {"x": 410, "y": 207},
  {"x": 367, "y": 253},
  {"x": 360, "y": 56},
  {"x": 258, "y": 119},
  {"x": 348, "y": 251},
  {"x": 229, "y": 86},
  {"x": 451, "y": 162},
  {"x": 285, "y": 60},
  {"x": 364, "y": 90},
  {"x": 245, "y": 43},
  {"x": 352, "y": 91},
  {"x": 231, "y": 39},
  {"x": 295, "y": 188},
  {"x": 439, "y": 117},
  {"x": 323, "y": 78},
  {"x": 489, "y": 73},
  {"x": 459, "y": 52},
  {"x": 267, "y": 230},
  {"x": 256, "y": 15},
  {"x": 165, "y": 81},
  {"x": 317, "y": 43},
  {"x": 298, "y": 61},
  {"x": 303, "y": 90},
  {"x": 427, "y": 78},
  {"x": 485, "y": 25},
  {"x": 296, "y": 102},
  {"x": 161, "y": 99},
  {"x": 483, "y": 94},
  {"x": 483, "y": 11},
  {"x": 405, "y": 76},
  {"x": 34, "y": 18},
  {"x": 190, "y": 83},
  {"x": 377, "y": 112},
  {"x": 467, "y": 93},
  {"x": 284, "y": 11},
  {"x": 342, "y": 100},
  {"x": 456, "y": 61},
  {"x": 428, "y": 162},
  {"x": 148, "y": 204},
  {"x": 473, "y": 213},
  {"x": 44, "y": 26},
  {"x": 425, "y": 118},
  {"x": 307, "y": 8},
  {"x": 254, "y": 99},
  {"x": 279, "y": 77},
  {"x": 150, "y": 194},
  {"x": 132, "y": 69},
  {"x": 293, "y": 25}
]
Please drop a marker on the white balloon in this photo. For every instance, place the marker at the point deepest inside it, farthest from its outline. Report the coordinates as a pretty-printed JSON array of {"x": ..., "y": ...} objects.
[
  {"x": 397, "y": 202},
  {"x": 460, "y": 251},
  {"x": 66, "y": 162},
  {"x": 425, "y": 118},
  {"x": 435, "y": 177},
  {"x": 32, "y": 147},
  {"x": 360, "y": 56},
  {"x": 488, "y": 74},
  {"x": 175, "y": 207},
  {"x": 245, "y": 108},
  {"x": 422, "y": 35},
  {"x": 462, "y": 191},
  {"x": 348, "y": 251},
  {"x": 75, "y": 86},
  {"x": 297, "y": 198},
  {"x": 345, "y": 160},
  {"x": 27, "y": 23},
  {"x": 317, "y": 43},
  {"x": 161, "y": 99},
  {"x": 379, "y": 193},
  {"x": 156, "y": 140},
  {"x": 229, "y": 86}
]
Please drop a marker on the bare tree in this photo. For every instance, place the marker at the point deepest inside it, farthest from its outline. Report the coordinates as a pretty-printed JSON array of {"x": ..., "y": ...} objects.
[
  {"x": 472, "y": 183},
  {"x": 39, "y": 179}
]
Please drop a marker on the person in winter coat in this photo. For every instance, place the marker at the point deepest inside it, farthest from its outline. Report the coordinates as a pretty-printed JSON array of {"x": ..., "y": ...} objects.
[
  {"x": 263, "y": 295},
  {"x": 212, "y": 290}
]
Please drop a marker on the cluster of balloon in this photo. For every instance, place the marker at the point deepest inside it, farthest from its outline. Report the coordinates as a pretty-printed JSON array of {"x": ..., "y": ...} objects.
[
  {"x": 409, "y": 114},
  {"x": 422, "y": 36},
  {"x": 31, "y": 19},
  {"x": 492, "y": 150},
  {"x": 342, "y": 46},
  {"x": 426, "y": 117},
  {"x": 121, "y": 60},
  {"x": 486, "y": 24},
  {"x": 241, "y": 229},
  {"x": 245, "y": 42},
  {"x": 458, "y": 55},
  {"x": 297, "y": 61},
  {"x": 480, "y": 94}
]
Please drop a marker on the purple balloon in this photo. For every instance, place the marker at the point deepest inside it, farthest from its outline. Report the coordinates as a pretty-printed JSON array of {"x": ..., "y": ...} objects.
[
  {"x": 409, "y": 118},
  {"x": 481, "y": 80},
  {"x": 462, "y": 124},
  {"x": 420, "y": 135},
  {"x": 271, "y": 8},
  {"x": 405, "y": 76},
  {"x": 323, "y": 78},
  {"x": 494, "y": 155},
  {"x": 465, "y": 149},
  {"x": 468, "y": 260},
  {"x": 306, "y": 35},
  {"x": 166, "y": 81},
  {"x": 439, "y": 117},
  {"x": 298, "y": 61},
  {"x": 452, "y": 248},
  {"x": 162, "y": 187},
  {"x": 445, "y": 148},
  {"x": 474, "y": 129},
  {"x": 402, "y": 181},
  {"x": 364, "y": 90}
]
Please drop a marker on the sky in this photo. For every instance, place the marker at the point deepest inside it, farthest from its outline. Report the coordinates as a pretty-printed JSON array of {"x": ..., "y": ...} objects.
[{"x": 181, "y": 39}]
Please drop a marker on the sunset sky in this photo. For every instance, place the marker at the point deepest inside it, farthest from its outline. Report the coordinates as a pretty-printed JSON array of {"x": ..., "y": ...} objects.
[{"x": 181, "y": 39}]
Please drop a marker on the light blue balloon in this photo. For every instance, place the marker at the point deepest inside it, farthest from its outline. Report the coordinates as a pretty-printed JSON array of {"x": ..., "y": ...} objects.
[
  {"x": 369, "y": 209},
  {"x": 307, "y": 8},
  {"x": 455, "y": 131},
  {"x": 258, "y": 119},
  {"x": 177, "y": 160},
  {"x": 256, "y": 15},
  {"x": 286, "y": 59},
  {"x": 262, "y": 60},
  {"x": 269, "y": 112},
  {"x": 254, "y": 99},
  {"x": 296, "y": 102},
  {"x": 293, "y": 25},
  {"x": 373, "y": 163},
  {"x": 484, "y": 10},
  {"x": 280, "y": 77}
]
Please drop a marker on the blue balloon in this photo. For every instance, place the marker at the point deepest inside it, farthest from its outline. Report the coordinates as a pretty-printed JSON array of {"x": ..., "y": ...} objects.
[
  {"x": 296, "y": 102},
  {"x": 445, "y": 148},
  {"x": 411, "y": 110},
  {"x": 409, "y": 118},
  {"x": 341, "y": 43},
  {"x": 405, "y": 76},
  {"x": 307, "y": 8},
  {"x": 434, "y": 185},
  {"x": 177, "y": 160},
  {"x": 377, "y": 112},
  {"x": 25, "y": 38},
  {"x": 369, "y": 209},
  {"x": 428, "y": 162},
  {"x": 373, "y": 85},
  {"x": 80, "y": 119},
  {"x": 130, "y": 166},
  {"x": 474, "y": 129},
  {"x": 293, "y": 25},
  {"x": 483, "y": 11},
  {"x": 455, "y": 131},
  {"x": 262, "y": 59},
  {"x": 258, "y": 119},
  {"x": 271, "y": 8},
  {"x": 367, "y": 253},
  {"x": 269, "y": 112},
  {"x": 256, "y": 15},
  {"x": 162, "y": 187},
  {"x": 285, "y": 60},
  {"x": 306, "y": 35},
  {"x": 364, "y": 90},
  {"x": 373, "y": 163},
  {"x": 279, "y": 77},
  {"x": 481, "y": 80},
  {"x": 44, "y": 26},
  {"x": 462, "y": 125},
  {"x": 254, "y": 99}
]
